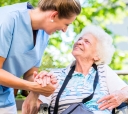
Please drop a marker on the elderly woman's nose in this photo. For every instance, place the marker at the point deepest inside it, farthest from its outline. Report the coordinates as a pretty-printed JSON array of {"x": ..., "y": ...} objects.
[{"x": 80, "y": 42}]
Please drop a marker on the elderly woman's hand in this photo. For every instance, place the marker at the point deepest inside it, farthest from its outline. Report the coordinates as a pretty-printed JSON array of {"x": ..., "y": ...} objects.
[
  {"x": 113, "y": 100},
  {"x": 29, "y": 105},
  {"x": 44, "y": 78}
]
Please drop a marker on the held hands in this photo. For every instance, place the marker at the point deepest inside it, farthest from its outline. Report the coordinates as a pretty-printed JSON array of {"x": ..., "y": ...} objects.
[
  {"x": 44, "y": 83},
  {"x": 45, "y": 78},
  {"x": 113, "y": 100}
]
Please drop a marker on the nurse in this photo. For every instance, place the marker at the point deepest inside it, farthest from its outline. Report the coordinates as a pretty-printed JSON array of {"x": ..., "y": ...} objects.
[{"x": 23, "y": 38}]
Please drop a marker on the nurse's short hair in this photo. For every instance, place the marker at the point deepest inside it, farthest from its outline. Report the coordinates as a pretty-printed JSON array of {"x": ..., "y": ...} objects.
[
  {"x": 105, "y": 48},
  {"x": 65, "y": 8}
]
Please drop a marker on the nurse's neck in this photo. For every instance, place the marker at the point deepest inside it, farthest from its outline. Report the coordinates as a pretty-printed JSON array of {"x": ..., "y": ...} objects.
[{"x": 39, "y": 18}]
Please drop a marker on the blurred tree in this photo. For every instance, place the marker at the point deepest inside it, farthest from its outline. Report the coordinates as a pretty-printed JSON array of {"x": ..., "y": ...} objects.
[
  {"x": 101, "y": 13},
  {"x": 9, "y": 2}
]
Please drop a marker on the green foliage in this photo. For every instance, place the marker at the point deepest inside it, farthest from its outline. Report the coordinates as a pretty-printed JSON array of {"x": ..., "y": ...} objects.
[
  {"x": 48, "y": 63},
  {"x": 125, "y": 78},
  {"x": 101, "y": 14},
  {"x": 19, "y": 96},
  {"x": 9, "y": 2},
  {"x": 118, "y": 60}
]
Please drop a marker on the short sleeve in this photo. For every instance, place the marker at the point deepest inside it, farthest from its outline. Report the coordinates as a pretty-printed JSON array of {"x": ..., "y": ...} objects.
[
  {"x": 114, "y": 82},
  {"x": 6, "y": 35},
  {"x": 45, "y": 99},
  {"x": 39, "y": 63}
]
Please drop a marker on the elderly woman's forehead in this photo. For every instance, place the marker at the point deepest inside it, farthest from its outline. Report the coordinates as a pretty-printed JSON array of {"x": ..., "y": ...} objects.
[{"x": 88, "y": 36}]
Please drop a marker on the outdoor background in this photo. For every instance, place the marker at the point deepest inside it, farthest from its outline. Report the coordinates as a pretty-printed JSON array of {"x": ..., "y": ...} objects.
[{"x": 111, "y": 15}]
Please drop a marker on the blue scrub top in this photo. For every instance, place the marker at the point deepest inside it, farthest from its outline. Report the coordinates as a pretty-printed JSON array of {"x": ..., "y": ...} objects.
[{"x": 17, "y": 46}]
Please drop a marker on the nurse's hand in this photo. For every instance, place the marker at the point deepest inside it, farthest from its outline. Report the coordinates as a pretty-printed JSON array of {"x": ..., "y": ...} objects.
[
  {"x": 44, "y": 78},
  {"x": 46, "y": 91},
  {"x": 113, "y": 100}
]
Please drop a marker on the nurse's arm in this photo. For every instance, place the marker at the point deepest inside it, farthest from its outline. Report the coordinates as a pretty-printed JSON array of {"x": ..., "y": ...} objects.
[{"x": 9, "y": 80}]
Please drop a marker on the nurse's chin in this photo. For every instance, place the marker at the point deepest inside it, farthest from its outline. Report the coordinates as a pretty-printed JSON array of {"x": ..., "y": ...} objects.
[{"x": 49, "y": 33}]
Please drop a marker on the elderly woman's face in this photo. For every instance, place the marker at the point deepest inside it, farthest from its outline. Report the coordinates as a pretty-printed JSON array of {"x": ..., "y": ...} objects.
[{"x": 85, "y": 47}]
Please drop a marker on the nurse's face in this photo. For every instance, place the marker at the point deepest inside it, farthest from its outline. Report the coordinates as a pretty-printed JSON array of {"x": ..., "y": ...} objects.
[
  {"x": 59, "y": 24},
  {"x": 49, "y": 21}
]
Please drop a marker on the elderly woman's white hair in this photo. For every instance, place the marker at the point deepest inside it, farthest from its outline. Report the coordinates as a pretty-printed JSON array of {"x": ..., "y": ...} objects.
[{"x": 105, "y": 48}]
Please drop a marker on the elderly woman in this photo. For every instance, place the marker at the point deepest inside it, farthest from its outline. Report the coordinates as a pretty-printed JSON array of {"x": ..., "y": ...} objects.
[{"x": 94, "y": 46}]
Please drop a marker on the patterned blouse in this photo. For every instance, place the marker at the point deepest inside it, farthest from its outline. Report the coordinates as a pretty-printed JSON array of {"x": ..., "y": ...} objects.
[{"x": 79, "y": 87}]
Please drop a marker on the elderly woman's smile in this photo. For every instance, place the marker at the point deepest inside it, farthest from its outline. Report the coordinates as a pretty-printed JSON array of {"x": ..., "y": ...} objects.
[{"x": 77, "y": 47}]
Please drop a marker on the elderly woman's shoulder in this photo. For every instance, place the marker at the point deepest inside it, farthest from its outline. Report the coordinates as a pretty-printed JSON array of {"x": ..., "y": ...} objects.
[
  {"x": 103, "y": 66},
  {"x": 107, "y": 69},
  {"x": 58, "y": 70}
]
